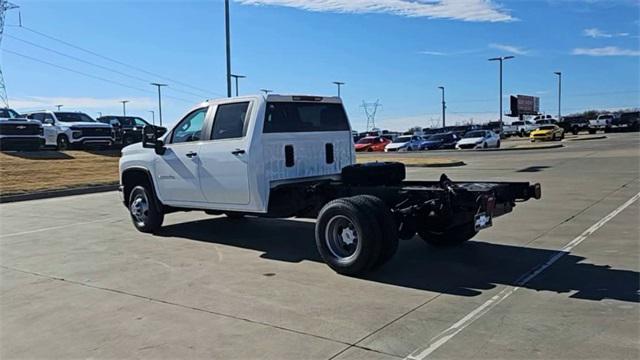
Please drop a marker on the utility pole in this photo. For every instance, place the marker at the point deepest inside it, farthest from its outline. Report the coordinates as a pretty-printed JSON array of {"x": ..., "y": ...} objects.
[
  {"x": 370, "y": 110},
  {"x": 124, "y": 107},
  {"x": 339, "y": 84},
  {"x": 266, "y": 91},
  {"x": 159, "y": 100},
  {"x": 237, "y": 77},
  {"x": 59, "y": 106},
  {"x": 99, "y": 114},
  {"x": 4, "y": 6},
  {"x": 444, "y": 106},
  {"x": 228, "y": 45},
  {"x": 559, "y": 94},
  {"x": 153, "y": 117},
  {"x": 501, "y": 59}
]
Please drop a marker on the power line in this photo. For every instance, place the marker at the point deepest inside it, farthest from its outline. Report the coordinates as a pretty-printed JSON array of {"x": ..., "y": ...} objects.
[
  {"x": 146, "y": 81},
  {"x": 88, "y": 75},
  {"x": 115, "y": 61}
]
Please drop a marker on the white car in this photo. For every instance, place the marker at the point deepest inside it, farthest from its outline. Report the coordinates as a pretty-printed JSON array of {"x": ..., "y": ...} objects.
[
  {"x": 404, "y": 143},
  {"x": 479, "y": 139},
  {"x": 66, "y": 130}
]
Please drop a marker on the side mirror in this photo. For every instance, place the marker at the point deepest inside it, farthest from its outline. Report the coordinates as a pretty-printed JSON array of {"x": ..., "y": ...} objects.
[
  {"x": 150, "y": 140},
  {"x": 160, "y": 131}
]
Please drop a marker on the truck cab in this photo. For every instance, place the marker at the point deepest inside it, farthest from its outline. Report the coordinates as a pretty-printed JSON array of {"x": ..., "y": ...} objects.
[
  {"x": 227, "y": 154},
  {"x": 64, "y": 130}
]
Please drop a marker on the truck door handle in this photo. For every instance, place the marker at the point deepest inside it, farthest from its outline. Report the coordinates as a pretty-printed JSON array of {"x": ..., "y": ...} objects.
[
  {"x": 191, "y": 154},
  {"x": 238, "y": 152}
]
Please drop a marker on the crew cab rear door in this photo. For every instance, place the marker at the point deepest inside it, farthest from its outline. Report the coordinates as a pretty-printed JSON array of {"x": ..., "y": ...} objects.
[{"x": 224, "y": 177}]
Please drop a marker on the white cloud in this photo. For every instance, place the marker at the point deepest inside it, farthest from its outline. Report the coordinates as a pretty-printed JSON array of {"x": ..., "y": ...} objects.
[
  {"x": 434, "y": 53},
  {"x": 510, "y": 48},
  {"x": 465, "y": 10},
  {"x": 597, "y": 33},
  {"x": 606, "y": 51},
  {"x": 80, "y": 103}
]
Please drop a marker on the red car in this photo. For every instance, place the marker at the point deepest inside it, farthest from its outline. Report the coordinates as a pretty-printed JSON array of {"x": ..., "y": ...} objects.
[{"x": 372, "y": 143}]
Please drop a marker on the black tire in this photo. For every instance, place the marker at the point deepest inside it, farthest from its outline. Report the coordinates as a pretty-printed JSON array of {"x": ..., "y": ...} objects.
[
  {"x": 62, "y": 143},
  {"x": 575, "y": 131},
  {"x": 498, "y": 144},
  {"x": 449, "y": 237},
  {"x": 144, "y": 211},
  {"x": 592, "y": 131},
  {"x": 485, "y": 146},
  {"x": 358, "y": 247},
  {"x": 388, "y": 226},
  {"x": 374, "y": 173}
]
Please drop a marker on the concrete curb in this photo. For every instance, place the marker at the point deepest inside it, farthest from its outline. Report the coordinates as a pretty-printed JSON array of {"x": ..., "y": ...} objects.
[
  {"x": 588, "y": 138},
  {"x": 438, "y": 165},
  {"x": 57, "y": 193},
  {"x": 543, "y": 147}
]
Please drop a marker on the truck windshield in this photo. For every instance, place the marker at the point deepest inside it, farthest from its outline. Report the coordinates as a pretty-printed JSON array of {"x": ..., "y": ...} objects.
[
  {"x": 474, "y": 134},
  {"x": 8, "y": 114},
  {"x": 283, "y": 117},
  {"x": 73, "y": 117},
  {"x": 517, "y": 123}
]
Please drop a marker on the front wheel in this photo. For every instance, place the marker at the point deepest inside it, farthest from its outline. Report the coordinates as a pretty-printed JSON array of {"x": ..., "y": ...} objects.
[
  {"x": 62, "y": 143},
  {"x": 498, "y": 145},
  {"x": 144, "y": 213},
  {"x": 485, "y": 146}
]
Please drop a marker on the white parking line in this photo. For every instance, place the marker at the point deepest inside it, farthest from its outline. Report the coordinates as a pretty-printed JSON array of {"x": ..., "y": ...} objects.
[
  {"x": 54, "y": 228},
  {"x": 453, "y": 330}
]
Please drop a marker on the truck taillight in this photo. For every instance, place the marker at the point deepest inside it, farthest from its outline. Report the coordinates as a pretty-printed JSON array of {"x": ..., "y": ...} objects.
[{"x": 490, "y": 203}]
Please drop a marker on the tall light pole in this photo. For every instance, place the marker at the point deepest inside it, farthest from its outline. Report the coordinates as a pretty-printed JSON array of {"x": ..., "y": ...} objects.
[
  {"x": 501, "y": 59},
  {"x": 559, "y": 94},
  {"x": 124, "y": 107},
  {"x": 228, "y": 45},
  {"x": 99, "y": 113},
  {"x": 59, "y": 106},
  {"x": 159, "y": 100},
  {"x": 237, "y": 77},
  {"x": 153, "y": 117},
  {"x": 339, "y": 84},
  {"x": 266, "y": 91},
  {"x": 444, "y": 106}
]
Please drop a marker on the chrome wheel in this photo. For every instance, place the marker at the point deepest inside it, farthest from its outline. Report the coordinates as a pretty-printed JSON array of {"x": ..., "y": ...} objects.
[
  {"x": 139, "y": 208},
  {"x": 341, "y": 237}
]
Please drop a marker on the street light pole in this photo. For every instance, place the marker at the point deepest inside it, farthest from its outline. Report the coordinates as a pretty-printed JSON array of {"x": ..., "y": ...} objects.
[
  {"x": 124, "y": 107},
  {"x": 237, "y": 77},
  {"x": 501, "y": 59},
  {"x": 444, "y": 106},
  {"x": 266, "y": 91},
  {"x": 153, "y": 117},
  {"x": 59, "y": 106},
  {"x": 559, "y": 94},
  {"x": 339, "y": 84},
  {"x": 228, "y": 45},
  {"x": 159, "y": 100}
]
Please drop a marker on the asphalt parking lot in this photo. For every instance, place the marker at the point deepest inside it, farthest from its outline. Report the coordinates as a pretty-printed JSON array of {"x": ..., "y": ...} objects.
[{"x": 78, "y": 281}]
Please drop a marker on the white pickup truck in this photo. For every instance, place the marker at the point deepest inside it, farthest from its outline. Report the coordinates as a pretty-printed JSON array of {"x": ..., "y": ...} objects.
[
  {"x": 602, "y": 122},
  {"x": 283, "y": 156},
  {"x": 520, "y": 128},
  {"x": 64, "y": 130}
]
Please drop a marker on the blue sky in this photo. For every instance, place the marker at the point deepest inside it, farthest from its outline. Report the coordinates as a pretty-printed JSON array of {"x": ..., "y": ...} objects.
[{"x": 393, "y": 50}]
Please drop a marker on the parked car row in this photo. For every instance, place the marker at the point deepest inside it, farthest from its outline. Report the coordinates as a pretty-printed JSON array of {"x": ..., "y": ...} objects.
[
  {"x": 64, "y": 130},
  {"x": 475, "y": 139}
]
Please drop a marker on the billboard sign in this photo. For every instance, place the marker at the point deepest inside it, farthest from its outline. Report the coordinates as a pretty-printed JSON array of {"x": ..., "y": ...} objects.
[{"x": 525, "y": 105}]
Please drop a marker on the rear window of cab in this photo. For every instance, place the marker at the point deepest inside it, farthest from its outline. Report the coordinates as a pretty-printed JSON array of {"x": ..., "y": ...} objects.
[{"x": 284, "y": 117}]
